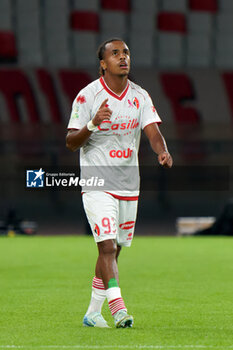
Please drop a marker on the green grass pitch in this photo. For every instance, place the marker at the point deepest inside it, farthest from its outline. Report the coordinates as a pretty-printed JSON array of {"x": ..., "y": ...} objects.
[{"x": 179, "y": 290}]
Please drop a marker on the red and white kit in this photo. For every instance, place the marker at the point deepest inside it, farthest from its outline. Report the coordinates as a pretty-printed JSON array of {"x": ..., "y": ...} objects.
[{"x": 113, "y": 145}]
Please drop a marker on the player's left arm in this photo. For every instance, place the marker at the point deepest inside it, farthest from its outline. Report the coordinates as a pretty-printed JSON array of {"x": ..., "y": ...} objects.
[{"x": 158, "y": 144}]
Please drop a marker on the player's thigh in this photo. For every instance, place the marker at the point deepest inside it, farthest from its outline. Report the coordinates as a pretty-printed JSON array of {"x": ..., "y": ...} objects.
[
  {"x": 102, "y": 213},
  {"x": 126, "y": 222}
]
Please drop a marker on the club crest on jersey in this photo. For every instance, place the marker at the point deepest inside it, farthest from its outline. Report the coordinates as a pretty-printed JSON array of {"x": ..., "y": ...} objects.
[
  {"x": 81, "y": 99},
  {"x": 136, "y": 102},
  {"x": 97, "y": 229}
]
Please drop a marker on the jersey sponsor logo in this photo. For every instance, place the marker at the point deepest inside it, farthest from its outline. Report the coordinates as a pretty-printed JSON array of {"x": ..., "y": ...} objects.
[
  {"x": 127, "y": 225},
  {"x": 131, "y": 124},
  {"x": 136, "y": 102},
  {"x": 81, "y": 99},
  {"x": 97, "y": 229},
  {"x": 126, "y": 153}
]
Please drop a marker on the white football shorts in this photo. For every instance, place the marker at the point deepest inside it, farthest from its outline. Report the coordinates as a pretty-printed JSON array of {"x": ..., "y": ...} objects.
[{"x": 109, "y": 217}]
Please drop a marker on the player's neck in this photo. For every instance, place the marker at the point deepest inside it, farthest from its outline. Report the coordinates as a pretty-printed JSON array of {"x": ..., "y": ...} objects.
[{"x": 116, "y": 83}]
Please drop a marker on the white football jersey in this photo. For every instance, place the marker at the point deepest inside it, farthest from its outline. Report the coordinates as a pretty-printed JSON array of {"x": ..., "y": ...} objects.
[{"x": 112, "y": 148}]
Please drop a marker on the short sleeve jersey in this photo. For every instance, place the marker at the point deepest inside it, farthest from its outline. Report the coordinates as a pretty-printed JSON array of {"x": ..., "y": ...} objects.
[{"x": 115, "y": 143}]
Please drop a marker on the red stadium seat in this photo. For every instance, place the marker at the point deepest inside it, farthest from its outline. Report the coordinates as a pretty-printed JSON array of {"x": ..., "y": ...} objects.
[
  {"x": 15, "y": 85},
  {"x": 82, "y": 20},
  {"x": 117, "y": 5},
  {"x": 47, "y": 86},
  {"x": 203, "y": 5},
  {"x": 228, "y": 81},
  {"x": 7, "y": 45},
  {"x": 172, "y": 22},
  {"x": 179, "y": 89},
  {"x": 73, "y": 81}
]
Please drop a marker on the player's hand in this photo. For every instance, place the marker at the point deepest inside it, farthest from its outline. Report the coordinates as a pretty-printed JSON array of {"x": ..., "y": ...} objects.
[
  {"x": 165, "y": 159},
  {"x": 103, "y": 113}
]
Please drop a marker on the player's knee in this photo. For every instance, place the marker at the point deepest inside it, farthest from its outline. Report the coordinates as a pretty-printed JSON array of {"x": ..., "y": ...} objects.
[{"x": 108, "y": 247}]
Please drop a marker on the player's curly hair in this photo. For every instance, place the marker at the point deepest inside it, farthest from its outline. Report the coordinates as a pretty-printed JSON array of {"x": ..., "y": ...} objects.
[{"x": 101, "y": 50}]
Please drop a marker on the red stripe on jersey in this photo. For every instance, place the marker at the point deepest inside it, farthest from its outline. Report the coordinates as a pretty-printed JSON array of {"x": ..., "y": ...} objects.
[
  {"x": 113, "y": 93},
  {"x": 123, "y": 198}
]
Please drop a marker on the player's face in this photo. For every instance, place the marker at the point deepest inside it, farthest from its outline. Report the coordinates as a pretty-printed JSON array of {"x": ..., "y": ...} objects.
[{"x": 116, "y": 58}]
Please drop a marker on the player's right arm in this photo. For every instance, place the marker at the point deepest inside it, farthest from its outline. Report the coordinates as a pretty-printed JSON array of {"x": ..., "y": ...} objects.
[{"x": 76, "y": 138}]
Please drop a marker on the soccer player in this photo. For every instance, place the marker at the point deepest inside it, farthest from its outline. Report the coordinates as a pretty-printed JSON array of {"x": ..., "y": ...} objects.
[{"x": 106, "y": 122}]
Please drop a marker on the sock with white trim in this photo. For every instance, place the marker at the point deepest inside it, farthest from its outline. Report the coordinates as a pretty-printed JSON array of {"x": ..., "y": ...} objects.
[{"x": 98, "y": 296}]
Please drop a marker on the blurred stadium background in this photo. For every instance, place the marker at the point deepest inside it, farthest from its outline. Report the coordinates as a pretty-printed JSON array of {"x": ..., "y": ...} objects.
[{"x": 182, "y": 53}]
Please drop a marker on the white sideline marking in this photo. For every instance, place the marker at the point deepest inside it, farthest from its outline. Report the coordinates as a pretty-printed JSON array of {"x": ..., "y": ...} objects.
[{"x": 116, "y": 347}]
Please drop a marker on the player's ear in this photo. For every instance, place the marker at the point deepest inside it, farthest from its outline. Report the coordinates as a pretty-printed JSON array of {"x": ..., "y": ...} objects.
[{"x": 103, "y": 64}]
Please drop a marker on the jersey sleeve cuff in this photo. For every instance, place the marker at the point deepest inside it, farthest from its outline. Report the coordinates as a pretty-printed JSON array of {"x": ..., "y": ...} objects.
[{"x": 154, "y": 122}]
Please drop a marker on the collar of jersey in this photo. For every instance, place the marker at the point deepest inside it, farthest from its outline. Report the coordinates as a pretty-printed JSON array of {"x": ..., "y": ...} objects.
[{"x": 105, "y": 86}]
